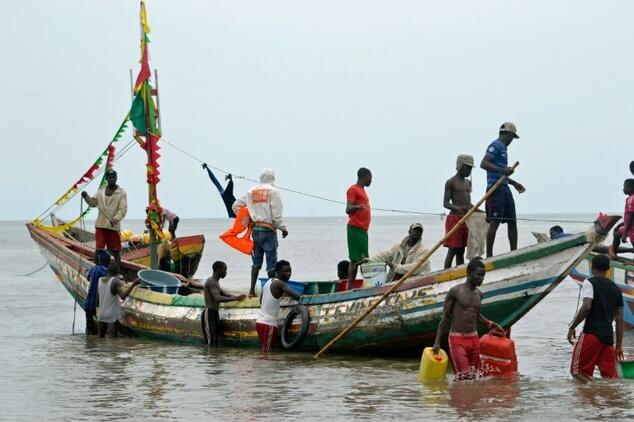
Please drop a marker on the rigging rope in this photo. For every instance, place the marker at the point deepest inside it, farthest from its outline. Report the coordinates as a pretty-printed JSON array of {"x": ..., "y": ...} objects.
[
  {"x": 335, "y": 201},
  {"x": 33, "y": 272}
]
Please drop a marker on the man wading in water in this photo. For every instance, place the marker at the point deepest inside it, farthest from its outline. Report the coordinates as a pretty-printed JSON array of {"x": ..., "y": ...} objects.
[
  {"x": 602, "y": 305},
  {"x": 266, "y": 322},
  {"x": 462, "y": 305},
  {"x": 210, "y": 319}
]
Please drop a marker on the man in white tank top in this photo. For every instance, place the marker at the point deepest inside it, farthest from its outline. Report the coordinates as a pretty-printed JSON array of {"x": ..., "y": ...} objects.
[
  {"x": 111, "y": 292},
  {"x": 266, "y": 323}
]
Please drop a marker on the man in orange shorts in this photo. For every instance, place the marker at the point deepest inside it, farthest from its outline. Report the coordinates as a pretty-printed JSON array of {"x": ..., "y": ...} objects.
[{"x": 457, "y": 200}]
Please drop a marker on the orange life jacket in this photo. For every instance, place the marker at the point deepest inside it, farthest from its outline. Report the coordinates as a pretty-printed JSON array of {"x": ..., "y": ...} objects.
[{"x": 239, "y": 235}]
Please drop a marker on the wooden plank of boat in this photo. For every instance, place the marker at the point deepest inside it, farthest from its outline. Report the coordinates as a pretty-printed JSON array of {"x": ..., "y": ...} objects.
[{"x": 407, "y": 321}]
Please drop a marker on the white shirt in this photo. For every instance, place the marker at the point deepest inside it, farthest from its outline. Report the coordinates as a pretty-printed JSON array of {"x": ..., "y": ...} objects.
[
  {"x": 270, "y": 308},
  {"x": 587, "y": 291}
]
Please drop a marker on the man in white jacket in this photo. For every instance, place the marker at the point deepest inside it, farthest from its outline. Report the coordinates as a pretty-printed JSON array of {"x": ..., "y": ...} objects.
[
  {"x": 264, "y": 203},
  {"x": 404, "y": 256},
  {"x": 112, "y": 203}
]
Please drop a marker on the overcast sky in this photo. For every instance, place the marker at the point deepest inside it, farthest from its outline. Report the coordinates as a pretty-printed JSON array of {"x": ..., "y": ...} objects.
[{"x": 317, "y": 89}]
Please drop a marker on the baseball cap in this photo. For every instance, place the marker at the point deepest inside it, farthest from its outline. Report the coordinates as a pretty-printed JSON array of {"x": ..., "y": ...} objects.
[
  {"x": 509, "y": 127},
  {"x": 416, "y": 226},
  {"x": 111, "y": 171}
]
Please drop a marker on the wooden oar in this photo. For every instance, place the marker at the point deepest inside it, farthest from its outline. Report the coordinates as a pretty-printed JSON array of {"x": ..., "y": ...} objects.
[{"x": 424, "y": 258}]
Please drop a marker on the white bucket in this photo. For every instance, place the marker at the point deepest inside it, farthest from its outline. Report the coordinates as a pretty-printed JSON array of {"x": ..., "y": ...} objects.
[{"x": 373, "y": 273}]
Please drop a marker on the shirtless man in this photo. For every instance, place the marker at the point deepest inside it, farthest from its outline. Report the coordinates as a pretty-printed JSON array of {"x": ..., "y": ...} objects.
[
  {"x": 210, "y": 320},
  {"x": 458, "y": 201},
  {"x": 462, "y": 305}
]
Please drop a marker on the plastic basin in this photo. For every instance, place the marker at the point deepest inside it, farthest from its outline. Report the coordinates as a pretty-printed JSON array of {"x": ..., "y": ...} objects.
[
  {"x": 298, "y": 286},
  {"x": 625, "y": 369},
  {"x": 374, "y": 273},
  {"x": 159, "y": 281}
]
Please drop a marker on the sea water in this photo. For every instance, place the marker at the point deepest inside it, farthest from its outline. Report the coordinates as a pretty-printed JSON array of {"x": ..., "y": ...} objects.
[{"x": 49, "y": 373}]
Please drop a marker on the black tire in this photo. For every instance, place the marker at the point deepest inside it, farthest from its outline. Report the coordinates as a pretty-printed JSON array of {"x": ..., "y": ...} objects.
[{"x": 303, "y": 331}]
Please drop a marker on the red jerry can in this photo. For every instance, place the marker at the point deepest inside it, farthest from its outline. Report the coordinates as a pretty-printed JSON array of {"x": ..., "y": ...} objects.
[{"x": 497, "y": 355}]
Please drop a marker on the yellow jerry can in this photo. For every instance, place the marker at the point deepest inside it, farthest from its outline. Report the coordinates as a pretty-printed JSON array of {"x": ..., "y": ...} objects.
[{"x": 432, "y": 367}]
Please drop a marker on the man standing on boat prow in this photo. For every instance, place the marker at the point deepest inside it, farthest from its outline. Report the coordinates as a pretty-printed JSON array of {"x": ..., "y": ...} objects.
[
  {"x": 210, "y": 320},
  {"x": 264, "y": 203},
  {"x": 462, "y": 305},
  {"x": 359, "y": 216},
  {"x": 266, "y": 323},
  {"x": 457, "y": 200},
  {"x": 112, "y": 203},
  {"x": 602, "y": 304},
  {"x": 500, "y": 207}
]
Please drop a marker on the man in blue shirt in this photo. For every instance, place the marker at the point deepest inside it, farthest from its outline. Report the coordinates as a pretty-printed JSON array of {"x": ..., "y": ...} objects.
[
  {"x": 500, "y": 207},
  {"x": 102, "y": 260}
]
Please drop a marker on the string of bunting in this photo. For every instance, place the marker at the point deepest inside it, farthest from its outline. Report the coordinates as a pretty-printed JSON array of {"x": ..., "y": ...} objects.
[{"x": 108, "y": 154}]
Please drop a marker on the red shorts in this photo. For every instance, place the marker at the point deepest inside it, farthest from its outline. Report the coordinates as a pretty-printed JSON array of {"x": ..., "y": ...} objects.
[
  {"x": 267, "y": 334},
  {"x": 459, "y": 238},
  {"x": 630, "y": 234},
  {"x": 589, "y": 352},
  {"x": 464, "y": 349},
  {"x": 107, "y": 239}
]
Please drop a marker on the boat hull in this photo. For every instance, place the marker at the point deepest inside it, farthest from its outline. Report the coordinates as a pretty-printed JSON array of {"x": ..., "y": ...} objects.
[{"x": 403, "y": 324}]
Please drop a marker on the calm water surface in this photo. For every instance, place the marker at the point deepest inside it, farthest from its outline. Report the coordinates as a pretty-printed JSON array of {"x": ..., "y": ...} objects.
[{"x": 51, "y": 373}]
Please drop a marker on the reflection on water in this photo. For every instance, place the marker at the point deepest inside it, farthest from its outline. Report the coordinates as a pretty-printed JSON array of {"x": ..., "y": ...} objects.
[{"x": 50, "y": 374}]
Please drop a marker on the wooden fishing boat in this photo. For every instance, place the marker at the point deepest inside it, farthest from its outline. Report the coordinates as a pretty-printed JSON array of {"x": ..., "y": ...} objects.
[
  {"x": 186, "y": 251},
  {"x": 621, "y": 272},
  {"x": 405, "y": 322}
]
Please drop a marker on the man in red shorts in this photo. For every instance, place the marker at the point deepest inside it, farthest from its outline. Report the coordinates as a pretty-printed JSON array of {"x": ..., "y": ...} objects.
[
  {"x": 462, "y": 305},
  {"x": 602, "y": 304},
  {"x": 266, "y": 324},
  {"x": 457, "y": 200},
  {"x": 112, "y": 203}
]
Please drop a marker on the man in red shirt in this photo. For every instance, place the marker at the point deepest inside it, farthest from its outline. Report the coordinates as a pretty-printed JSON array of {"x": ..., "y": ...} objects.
[{"x": 358, "y": 210}]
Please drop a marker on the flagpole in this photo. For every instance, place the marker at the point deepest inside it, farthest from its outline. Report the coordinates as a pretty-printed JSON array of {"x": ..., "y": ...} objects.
[{"x": 151, "y": 187}]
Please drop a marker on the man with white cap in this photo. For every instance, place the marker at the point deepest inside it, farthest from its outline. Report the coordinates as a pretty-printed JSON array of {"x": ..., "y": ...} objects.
[
  {"x": 264, "y": 203},
  {"x": 404, "y": 256},
  {"x": 457, "y": 200},
  {"x": 500, "y": 207}
]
